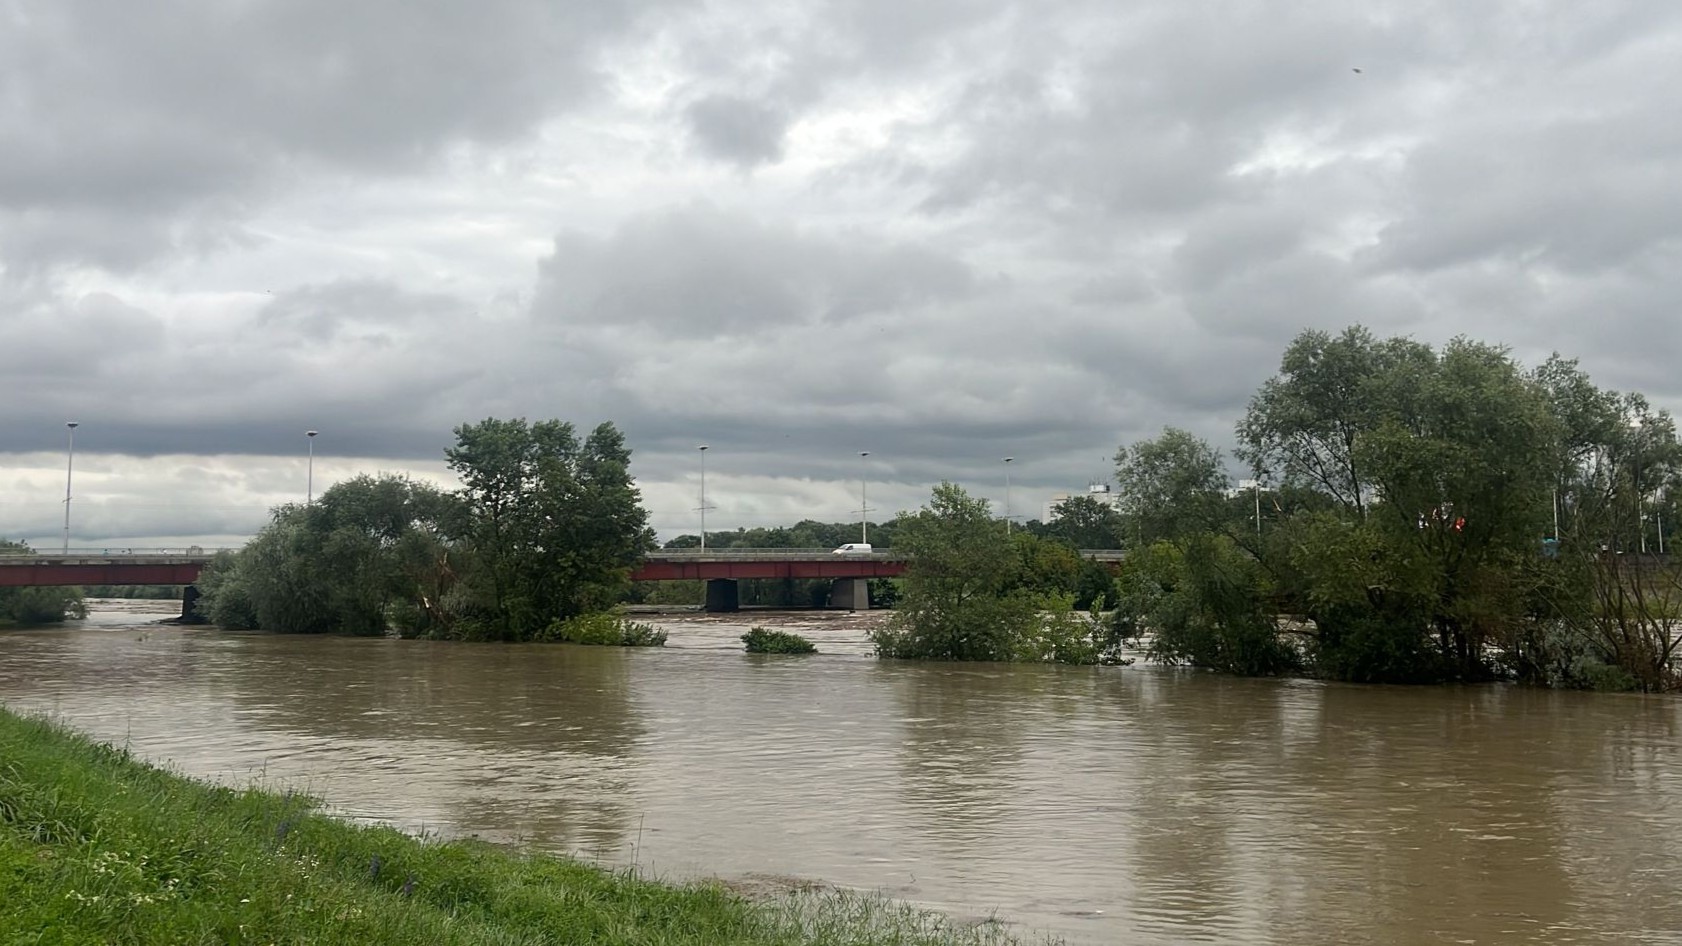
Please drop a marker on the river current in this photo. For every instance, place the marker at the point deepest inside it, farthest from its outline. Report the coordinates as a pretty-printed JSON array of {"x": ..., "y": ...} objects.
[{"x": 1106, "y": 805}]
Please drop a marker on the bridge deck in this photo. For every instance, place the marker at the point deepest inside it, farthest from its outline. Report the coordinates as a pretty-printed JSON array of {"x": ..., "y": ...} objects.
[{"x": 182, "y": 566}]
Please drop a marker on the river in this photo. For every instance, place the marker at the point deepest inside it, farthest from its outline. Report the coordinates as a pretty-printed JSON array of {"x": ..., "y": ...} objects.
[{"x": 1106, "y": 805}]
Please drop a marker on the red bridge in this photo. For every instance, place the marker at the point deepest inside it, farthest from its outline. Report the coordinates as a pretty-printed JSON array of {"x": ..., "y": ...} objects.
[{"x": 719, "y": 568}]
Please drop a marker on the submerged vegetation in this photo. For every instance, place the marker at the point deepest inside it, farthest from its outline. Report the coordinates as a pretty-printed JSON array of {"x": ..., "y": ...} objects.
[
  {"x": 761, "y": 640},
  {"x": 23, "y": 607},
  {"x": 1416, "y": 516},
  {"x": 973, "y": 591},
  {"x": 544, "y": 528},
  {"x": 98, "y": 847}
]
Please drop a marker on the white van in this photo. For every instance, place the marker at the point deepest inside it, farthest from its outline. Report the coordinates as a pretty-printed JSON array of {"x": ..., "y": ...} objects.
[{"x": 853, "y": 548}]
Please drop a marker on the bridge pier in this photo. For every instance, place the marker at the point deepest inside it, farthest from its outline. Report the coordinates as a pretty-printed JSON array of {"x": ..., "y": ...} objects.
[
  {"x": 190, "y": 606},
  {"x": 722, "y": 595},
  {"x": 853, "y": 594}
]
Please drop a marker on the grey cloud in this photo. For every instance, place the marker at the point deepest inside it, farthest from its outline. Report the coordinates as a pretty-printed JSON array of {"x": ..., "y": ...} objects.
[
  {"x": 743, "y": 132},
  {"x": 132, "y": 112},
  {"x": 974, "y": 229},
  {"x": 699, "y": 271}
]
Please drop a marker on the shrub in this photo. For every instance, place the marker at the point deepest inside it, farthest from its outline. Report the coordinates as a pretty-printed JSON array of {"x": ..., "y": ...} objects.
[
  {"x": 764, "y": 641},
  {"x": 603, "y": 628}
]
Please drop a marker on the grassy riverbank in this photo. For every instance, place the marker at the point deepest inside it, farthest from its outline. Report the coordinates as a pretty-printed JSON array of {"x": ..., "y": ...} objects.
[{"x": 96, "y": 847}]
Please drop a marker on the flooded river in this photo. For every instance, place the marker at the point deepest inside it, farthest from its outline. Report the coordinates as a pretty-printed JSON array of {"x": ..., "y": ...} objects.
[{"x": 1107, "y": 805}]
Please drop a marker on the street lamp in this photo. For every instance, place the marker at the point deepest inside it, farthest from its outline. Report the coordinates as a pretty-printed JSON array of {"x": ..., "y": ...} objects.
[
  {"x": 309, "y": 475},
  {"x": 703, "y": 449},
  {"x": 1256, "y": 486},
  {"x": 1007, "y": 494},
  {"x": 1635, "y": 480},
  {"x": 864, "y": 501},
  {"x": 69, "y": 465}
]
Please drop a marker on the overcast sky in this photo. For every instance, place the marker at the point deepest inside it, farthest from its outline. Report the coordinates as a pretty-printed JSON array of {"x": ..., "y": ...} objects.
[{"x": 943, "y": 232}]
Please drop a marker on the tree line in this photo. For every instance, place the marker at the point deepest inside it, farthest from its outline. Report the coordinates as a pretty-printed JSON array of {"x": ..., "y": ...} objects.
[{"x": 1416, "y": 515}]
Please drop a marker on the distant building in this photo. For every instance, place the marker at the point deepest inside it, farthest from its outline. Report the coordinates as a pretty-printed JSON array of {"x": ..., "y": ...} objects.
[{"x": 1098, "y": 491}]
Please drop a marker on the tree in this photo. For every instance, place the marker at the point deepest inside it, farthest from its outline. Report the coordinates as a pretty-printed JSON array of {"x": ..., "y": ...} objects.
[
  {"x": 554, "y": 525},
  {"x": 1085, "y": 522},
  {"x": 1303, "y": 425},
  {"x": 1170, "y": 487},
  {"x": 369, "y": 553},
  {"x": 44, "y": 605},
  {"x": 1202, "y": 601},
  {"x": 968, "y": 590}
]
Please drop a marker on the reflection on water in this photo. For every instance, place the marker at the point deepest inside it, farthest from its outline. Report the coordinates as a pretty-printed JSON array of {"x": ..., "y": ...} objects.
[{"x": 1135, "y": 805}]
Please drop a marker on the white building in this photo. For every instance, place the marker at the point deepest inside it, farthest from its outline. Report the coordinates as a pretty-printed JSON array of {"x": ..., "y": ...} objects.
[{"x": 1098, "y": 491}]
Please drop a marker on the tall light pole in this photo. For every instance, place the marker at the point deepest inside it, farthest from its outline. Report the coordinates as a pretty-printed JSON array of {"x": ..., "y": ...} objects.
[
  {"x": 864, "y": 501},
  {"x": 1635, "y": 480},
  {"x": 1007, "y": 494},
  {"x": 703, "y": 449},
  {"x": 309, "y": 475},
  {"x": 69, "y": 465},
  {"x": 1254, "y": 485}
]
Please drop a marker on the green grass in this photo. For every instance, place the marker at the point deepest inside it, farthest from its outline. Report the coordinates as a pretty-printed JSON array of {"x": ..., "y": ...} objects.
[{"x": 96, "y": 847}]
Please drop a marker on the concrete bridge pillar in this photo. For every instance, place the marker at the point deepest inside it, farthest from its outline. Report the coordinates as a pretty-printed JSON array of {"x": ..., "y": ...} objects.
[
  {"x": 853, "y": 594},
  {"x": 190, "y": 606},
  {"x": 722, "y": 595}
]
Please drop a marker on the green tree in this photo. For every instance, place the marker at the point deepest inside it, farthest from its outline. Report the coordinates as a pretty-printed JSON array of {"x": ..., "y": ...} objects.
[
  {"x": 1202, "y": 601},
  {"x": 968, "y": 592},
  {"x": 1085, "y": 522},
  {"x": 44, "y": 605},
  {"x": 1170, "y": 487},
  {"x": 1303, "y": 425},
  {"x": 554, "y": 525}
]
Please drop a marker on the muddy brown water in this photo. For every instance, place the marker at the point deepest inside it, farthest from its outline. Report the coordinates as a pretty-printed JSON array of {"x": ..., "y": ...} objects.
[{"x": 1107, "y": 805}]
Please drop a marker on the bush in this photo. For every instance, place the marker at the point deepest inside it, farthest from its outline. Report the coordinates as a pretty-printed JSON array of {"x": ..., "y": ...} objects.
[
  {"x": 763, "y": 641},
  {"x": 603, "y": 628}
]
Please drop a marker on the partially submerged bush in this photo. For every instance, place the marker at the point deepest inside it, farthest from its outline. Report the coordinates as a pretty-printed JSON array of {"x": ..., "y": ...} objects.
[
  {"x": 604, "y": 628},
  {"x": 765, "y": 641}
]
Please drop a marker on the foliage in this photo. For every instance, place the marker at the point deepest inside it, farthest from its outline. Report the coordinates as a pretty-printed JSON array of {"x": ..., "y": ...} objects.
[
  {"x": 1085, "y": 522},
  {"x": 805, "y": 534},
  {"x": 958, "y": 600},
  {"x": 603, "y": 628},
  {"x": 761, "y": 640},
  {"x": 44, "y": 605},
  {"x": 1409, "y": 489},
  {"x": 545, "y": 527},
  {"x": 972, "y": 592},
  {"x": 223, "y": 597},
  {"x": 1170, "y": 487},
  {"x": 96, "y": 847},
  {"x": 369, "y": 553},
  {"x": 1201, "y": 601},
  {"x": 553, "y": 525}
]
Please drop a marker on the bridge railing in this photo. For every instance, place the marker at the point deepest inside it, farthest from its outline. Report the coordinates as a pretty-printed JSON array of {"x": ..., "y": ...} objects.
[
  {"x": 1100, "y": 555},
  {"x": 736, "y": 550},
  {"x": 121, "y": 550}
]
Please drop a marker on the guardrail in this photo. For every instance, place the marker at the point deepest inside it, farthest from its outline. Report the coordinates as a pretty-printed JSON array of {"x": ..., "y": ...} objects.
[{"x": 84, "y": 552}]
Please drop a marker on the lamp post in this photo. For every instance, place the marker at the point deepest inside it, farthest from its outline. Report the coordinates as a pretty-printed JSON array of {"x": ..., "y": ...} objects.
[
  {"x": 1635, "y": 480},
  {"x": 703, "y": 449},
  {"x": 309, "y": 475},
  {"x": 864, "y": 501},
  {"x": 1007, "y": 494},
  {"x": 1254, "y": 485},
  {"x": 69, "y": 465}
]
